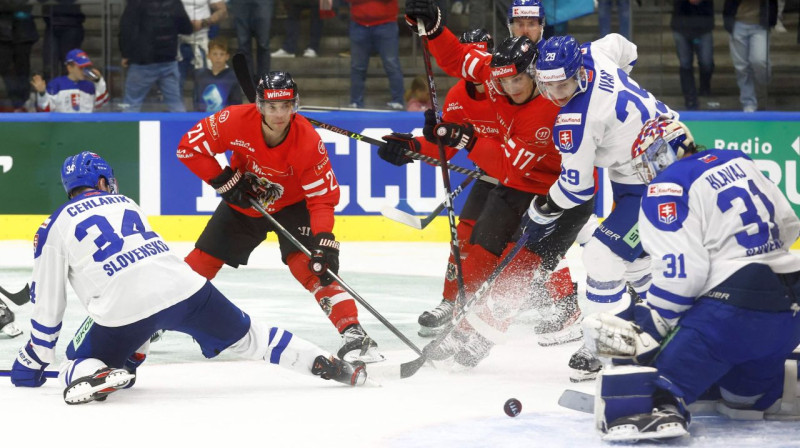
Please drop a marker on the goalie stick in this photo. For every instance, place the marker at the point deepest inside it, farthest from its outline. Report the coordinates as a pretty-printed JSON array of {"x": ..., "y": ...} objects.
[
  {"x": 242, "y": 73},
  {"x": 18, "y": 298},
  {"x": 420, "y": 223},
  {"x": 47, "y": 373}
]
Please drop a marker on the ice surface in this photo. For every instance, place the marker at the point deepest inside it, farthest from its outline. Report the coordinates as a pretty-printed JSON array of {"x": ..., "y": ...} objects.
[{"x": 182, "y": 400}]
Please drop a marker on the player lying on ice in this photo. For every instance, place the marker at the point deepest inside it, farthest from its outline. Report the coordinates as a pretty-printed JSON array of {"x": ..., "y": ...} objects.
[
  {"x": 721, "y": 317},
  {"x": 132, "y": 285}
]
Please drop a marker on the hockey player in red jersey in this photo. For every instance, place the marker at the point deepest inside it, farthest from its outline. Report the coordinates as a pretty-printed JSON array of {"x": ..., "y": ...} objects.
[{"x": 278, "y": 158}]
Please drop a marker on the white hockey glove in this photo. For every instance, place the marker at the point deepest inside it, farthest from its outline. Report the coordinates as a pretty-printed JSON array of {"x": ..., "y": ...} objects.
[{"x": 612, "y": 337}]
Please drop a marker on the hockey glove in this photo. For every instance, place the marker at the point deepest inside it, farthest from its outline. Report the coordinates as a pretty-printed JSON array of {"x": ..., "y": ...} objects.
[
  {"x": 454, "y": 135},
  {"x": 324, "y": 257},
  {"x": 264, "y": 191},
  {"x": 232, "y": 186},
  {"x": 537, "y": 222},
  {"x": 428, "y": 12},
  {"x": 430, "y": 123},
  {"x": 613, "y": 337},
  {"x": 28, "y": 369},
  {"x": 393, "y": 151}
]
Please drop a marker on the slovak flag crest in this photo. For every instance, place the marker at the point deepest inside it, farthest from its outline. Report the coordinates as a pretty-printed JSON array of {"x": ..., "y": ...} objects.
[
  {"x": 75, "y": 99},
  {"x": 565, "y": 139},
  {"x": 667, "y": 212}
]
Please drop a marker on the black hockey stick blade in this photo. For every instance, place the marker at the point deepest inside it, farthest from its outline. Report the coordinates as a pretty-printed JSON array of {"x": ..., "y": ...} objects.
[
  {"x": 18, "y": 298},
  {"x": 577, "y": 401},
  {"x": 47, "y": 373},
  {"x": 242, "y": 71}
]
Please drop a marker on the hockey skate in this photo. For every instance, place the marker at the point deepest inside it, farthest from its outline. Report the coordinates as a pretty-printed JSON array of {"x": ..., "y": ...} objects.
[
  {"x": 475, "y": 350},
  {"x": 358, "y": 346},
  {"x": 562, "y": 325},
  {"x": 98, "y": 386},
  {"x": 352, "y": 374},
  {"x": 7, "y": 326},
  {"x": 435, "y": 321},
  {"x": 584, "y": 366},
  {"x": 444, "y": 351},
  {"x": 663, "y": 423}
]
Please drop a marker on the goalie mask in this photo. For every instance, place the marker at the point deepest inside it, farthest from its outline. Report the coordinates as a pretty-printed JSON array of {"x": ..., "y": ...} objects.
[
  {"x": 514, "y": 56},
  {"x": 661, "y": 142},
  {"x": 85, "y": 170},
  {"x": 274, "y": 87},
  {"x": 559, "y": 70}
]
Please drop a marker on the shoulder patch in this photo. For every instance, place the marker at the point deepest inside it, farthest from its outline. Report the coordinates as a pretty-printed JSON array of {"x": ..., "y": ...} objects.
[
  {"x": 318, "y": 168},
  {"x": 321, "y": 148},
  {"x": 211, "y": 124},
  {"x": 665, "y": 189},
  {"x": 223, "y": 116}
]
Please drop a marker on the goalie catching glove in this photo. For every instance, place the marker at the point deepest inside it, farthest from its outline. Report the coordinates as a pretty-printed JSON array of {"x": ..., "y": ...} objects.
[
  {"x": 324, "y": 257},
  {"x": 237, "y": 188},
  {"x": 613, "y": 337}
]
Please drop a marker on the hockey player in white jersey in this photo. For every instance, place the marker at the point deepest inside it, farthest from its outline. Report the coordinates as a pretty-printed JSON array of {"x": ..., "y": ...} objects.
[
  {"x": 721, "y": 314},
  {"x": 132, "y": 285},
  {"x": 602, "y": 112}
]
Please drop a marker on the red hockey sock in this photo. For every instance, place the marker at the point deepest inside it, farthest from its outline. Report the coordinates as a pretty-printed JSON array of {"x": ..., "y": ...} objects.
[
  {"x": 464, "y": 231},
  {"x": 337, "y": 304},
  {"x": 559, "y": 284},
  {"x": 203, "y": 263}
]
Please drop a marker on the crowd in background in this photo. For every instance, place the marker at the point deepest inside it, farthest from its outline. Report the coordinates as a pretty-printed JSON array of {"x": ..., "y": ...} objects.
[{"x": 177, "y": 51}]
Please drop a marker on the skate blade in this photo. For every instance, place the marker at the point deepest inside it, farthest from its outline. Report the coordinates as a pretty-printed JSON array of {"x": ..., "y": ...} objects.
[
  {"x": 579, "y": 376},
  {"x": 371, "y": 356},
  {"x": 10, "y": 331},
  {"x": 84, "y": 393},
  {"x": 571, "y": 334},
  {"x": 430, "y": 332},
  {"x": 629, "y": 433}
]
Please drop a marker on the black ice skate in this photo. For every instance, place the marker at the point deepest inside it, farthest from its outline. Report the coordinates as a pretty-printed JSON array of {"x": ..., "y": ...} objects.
[
  {"x": 352, "y": 374},
  {"x": 663, "y": 423},
  {"x": 358, "y": 346},
  {"x": 7, "y": 326},
  {"x": 562, "y": 325},
  {"x": 97, "y": 386},
  {"x": 437, "y": 320},
  {"x": 584, "y": 365},
  {"x": 475, "y": 350}
]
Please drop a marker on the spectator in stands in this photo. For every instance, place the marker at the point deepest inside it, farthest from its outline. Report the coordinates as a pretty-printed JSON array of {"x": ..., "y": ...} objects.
[
  {"x": 63, "y": 31},
  {"x": 148, "y": 39},
  {"x": 293, "y": 9},
  {"x": 193, "y": 49},
  {"x": 692, "y": 25},
  {"x": 623, "y": 14},
  {"x": 253, "y": 18},
  {"x": 418, "y": 98},
  {"x": 82, "y": 89},
  {"x": 748, "y": 22},
  {"x": 216, "y": 88},
  {"x": 17, "y": 36},
  {"x": 373, "y": 28}
]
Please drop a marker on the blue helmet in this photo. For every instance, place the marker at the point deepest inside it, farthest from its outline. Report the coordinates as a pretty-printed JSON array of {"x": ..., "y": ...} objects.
[
  {"x": 526, "y": 8},
  {"x": 560, "y": 59},
  {"x": 85, "y": 170}
]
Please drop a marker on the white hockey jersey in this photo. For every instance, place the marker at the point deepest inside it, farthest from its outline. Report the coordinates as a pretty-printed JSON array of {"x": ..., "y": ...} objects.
[
  {"x": 706, "y": 217},
  {"x": 598, "y": 127},
  {"x": 120, "y": 269},
  {"x": 65, "y": 95}
]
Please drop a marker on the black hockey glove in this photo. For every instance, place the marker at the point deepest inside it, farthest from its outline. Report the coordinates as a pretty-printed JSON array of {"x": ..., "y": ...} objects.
[
  {"x": 427, "y": 11},
  {"x": 324, "y": 257},
  {"x": 538, "y": 222},
  {"x": 454, "y": 135},
  {"x": 430, "y": 123},
  {"x": 393, "y": 151},
  {"x": 233, "y": 187}
]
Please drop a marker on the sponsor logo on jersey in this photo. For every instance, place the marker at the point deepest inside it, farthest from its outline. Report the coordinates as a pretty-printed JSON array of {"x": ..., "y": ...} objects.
[
  {"x": 278, "y": 94},
  {"x": 565, "y": 119},
  {"x": 223, "y": 116},
  {"x": 485, "y": 130},
  {"x": 320, "y": 166},
  {"x": 667, "y": 212},
  {"x": 525, "y": 11},
  {"x": 505, "y": 71},
  {"x": 543, "y": 133},
  {"x": 665, "y": 189},
  {"x": 211, "y": 122},
  {"x": 242, "y": 144},
  {"x": 183, "y": 154},
  {"x": 45, "y": 224},
  {"x": 709, "y": 158},
  {"x": 565, "y": 139},
  {"x": 321, "y": 147},
  {"x": 454, "y": 106},
  {"x": 590, "y": 75},
  {"x": 264, "y": 171}
]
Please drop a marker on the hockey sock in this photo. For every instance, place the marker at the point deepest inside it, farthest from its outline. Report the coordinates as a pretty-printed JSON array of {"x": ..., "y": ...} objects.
[
  {"x": 203, "y": 263},
  {"x": 335, "y": 302},
  {"x": 559, "y": 284},
  {"x": 463, "y": 230},
  {"x": 477, "y": 267}
]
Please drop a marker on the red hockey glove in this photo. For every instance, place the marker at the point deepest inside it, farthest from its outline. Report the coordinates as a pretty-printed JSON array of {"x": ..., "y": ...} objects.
[
  {"x": 454, "y": 135},
  {"x": 324, "y": 257}
]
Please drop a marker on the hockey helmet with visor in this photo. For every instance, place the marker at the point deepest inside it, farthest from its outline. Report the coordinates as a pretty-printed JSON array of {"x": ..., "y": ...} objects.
[
  {"x": 559, "y": 70},
  {"x": 85, "y": 170},
  {"x": 513, "y": 66}
]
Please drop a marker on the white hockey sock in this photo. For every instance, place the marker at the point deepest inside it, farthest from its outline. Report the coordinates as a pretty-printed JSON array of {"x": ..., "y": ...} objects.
[
  {"x": 278, "y": 346},
  {"x": 78, "y": 368}
]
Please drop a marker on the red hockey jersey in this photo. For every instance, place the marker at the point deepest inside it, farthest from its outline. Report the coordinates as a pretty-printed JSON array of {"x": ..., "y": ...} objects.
[{"x": 300, "y": 163}]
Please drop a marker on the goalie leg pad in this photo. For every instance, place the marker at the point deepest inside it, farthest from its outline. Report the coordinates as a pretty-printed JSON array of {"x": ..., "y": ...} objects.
[{"x": 623, "y": 391}]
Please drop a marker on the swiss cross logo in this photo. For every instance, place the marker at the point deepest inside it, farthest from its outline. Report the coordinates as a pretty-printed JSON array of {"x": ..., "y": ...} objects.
[
  {"x": 565, "y": 139},
  {"x": 75, "y": 99},
  {"x": 667, "y": 212},
  {"x": 709, "y": 158}
]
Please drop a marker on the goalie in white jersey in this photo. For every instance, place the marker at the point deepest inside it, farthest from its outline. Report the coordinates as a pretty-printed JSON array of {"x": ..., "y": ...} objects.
[
  {"x": 722, "y": 312},
  {"x": 133, "y": 285},
  {"x": 602, "y": 112}
]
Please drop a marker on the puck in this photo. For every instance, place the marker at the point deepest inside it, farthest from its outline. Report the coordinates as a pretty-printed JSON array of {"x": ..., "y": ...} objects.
[{"x": 512, "y": 407}]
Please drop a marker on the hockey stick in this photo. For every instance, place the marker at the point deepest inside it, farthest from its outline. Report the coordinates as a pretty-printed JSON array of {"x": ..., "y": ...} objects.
[
  {"x": 420, "y": 223},
  {"x": 341, "y": 282},
  {"x": 448, "y": 200},
  {"x": 409, "y": 368},
  {"x": 47, "y": 373},
  {"x": 242, "y": 72},
  {"x": 577, "y": 401},
  {"x": 19, "y": 298}
]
